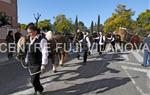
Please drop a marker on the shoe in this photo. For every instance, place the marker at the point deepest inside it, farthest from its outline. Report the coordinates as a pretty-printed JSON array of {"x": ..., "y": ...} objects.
[
  {"x": 35, "y": 93},
  {"x": 100, "y": 53},
  {"x": 143, "y": 65},
  {"x": 39, "y": 93},
  {"x": 89, "y": 53},
  {"x": 148, "y": 65},
  {"x": 61, "y": 65},
  {"x": 84, "y": 63},
  {"x": 54, "y": 71}
]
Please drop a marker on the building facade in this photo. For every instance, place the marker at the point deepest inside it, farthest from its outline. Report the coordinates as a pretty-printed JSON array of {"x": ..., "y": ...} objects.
[
  {"x": 8, "y": 11},
  {"x": 9, "y": 8}
]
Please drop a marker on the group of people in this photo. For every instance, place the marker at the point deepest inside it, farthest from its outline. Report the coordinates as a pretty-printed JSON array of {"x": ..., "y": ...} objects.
[
  {"x": 37, "y": 60},
  {"x": 102, "y": 40},
  {"x": 12, "y": 40},
  {"x": 87, "y": 43}
]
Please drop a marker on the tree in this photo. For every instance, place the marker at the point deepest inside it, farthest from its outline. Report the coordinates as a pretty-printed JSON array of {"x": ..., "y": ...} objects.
[
  {"x": 37, "y": 17},
  {"x": 81, "y": 26},
  {"x": 92, "y": 27},
  {"x": 45, "y": 25},
  {"x": 121, "y": 18},
  {"x": 95, "y": 27},
  {"x": 76, "y": 24},
  {"x": 62, "y": 24},
  {"x": 23, "y": 26},
  {"x": 101, "y": 27},
  {"x": 120, "y": 8},
  {"x": 5, "y": 19},
  {"x": 98, "y": 24},
  {"x": 143, "y": 20}
]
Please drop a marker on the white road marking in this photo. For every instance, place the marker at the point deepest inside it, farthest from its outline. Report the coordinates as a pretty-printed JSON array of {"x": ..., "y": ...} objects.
[
  {"x": 148, "y": 81},
  {"x": 133, "y": 81},
  {"x": 125, "y": 56},
  {"x": 138, "y": 57},
  {"x": 136, "y": 69},
  {"x": 130, "y": 63}
]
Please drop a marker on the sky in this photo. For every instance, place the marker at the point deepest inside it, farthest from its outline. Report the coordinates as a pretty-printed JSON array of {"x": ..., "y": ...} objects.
[{"x": 86, "y": 10}]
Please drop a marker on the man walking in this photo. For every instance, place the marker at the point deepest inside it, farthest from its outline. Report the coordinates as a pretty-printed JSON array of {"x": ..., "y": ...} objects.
[
  {"x": 101, "y": 43},
  {"x": 146, "y": 61},
  {"x": 85, "y": 44},
  {"x": 36, "y": 57},
  {"x": 17, "y": 36}
]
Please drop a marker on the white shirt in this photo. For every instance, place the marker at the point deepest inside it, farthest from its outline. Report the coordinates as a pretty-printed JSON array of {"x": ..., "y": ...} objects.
[
  {"x": 43, "y": 47},
  {"x": 87, "y": 39},
  {"x": 111, "y": 38},
  {"x": 100, "y": 39}
]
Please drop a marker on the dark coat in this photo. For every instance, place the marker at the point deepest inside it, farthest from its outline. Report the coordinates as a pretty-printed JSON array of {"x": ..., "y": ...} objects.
[
  {"x": 9, "y": 39},
  {"x": 17, "y": 36},
  {"x": 34, "y": 57}
]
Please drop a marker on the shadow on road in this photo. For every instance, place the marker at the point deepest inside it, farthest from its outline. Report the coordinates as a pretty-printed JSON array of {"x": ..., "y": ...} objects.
[
  {"x": 91, "y": 69},
  {"x": 99, "y": 86}
]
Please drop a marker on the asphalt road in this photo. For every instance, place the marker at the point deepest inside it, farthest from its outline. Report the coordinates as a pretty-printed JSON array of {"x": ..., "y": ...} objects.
[{"x": 108, "y": 74}]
